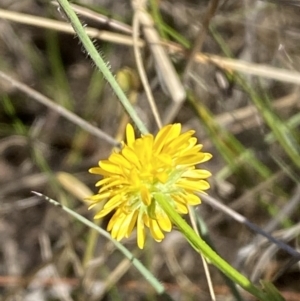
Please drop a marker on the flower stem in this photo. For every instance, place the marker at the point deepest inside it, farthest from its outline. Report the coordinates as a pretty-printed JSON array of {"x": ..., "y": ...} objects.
[
  {"x": 201, "y": 247},
  {"x": 98, "y": 60}
]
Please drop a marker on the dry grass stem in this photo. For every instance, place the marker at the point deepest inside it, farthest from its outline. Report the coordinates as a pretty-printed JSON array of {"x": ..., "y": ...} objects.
[
  {"x": 59, "y": 26},
  {"x": 59, "y": 109}
]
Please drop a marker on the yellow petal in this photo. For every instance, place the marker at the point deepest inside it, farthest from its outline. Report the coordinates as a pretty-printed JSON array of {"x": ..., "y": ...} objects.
[
  {"x": 114, "y": 218},
  {"x": 118, "y": 226},
  {"x": 141, "y": 235},
  {"x": 194, "y": 158},
  {"x": 114, "y": 201},
  {"x": 165, "y": 135},
  {"x": 118, "y": 159},
  {"x": 178, "y": 142},
  {"x": 193, "y": 185},
  {"x": 98, "y": 171},
  {"x": 143, "y": 148},
  {"x": 134, "y": 178},
  {"x": 191, "y": 159},
  {"x": 188, "y": 151},
  {"x": 103, "y": 181},
  {"x": 181, "y": 208},
  {"x": 127, "y": 223},
  {"x": 131, "y": 156},
  {"x": 100, "y": 196},
  {"x": 155, "y": 230},
  {"x": 164, "y": 222},
  {"x": 192, "y": 142},
  {"x": 130, "y": 136},
  {"x": 110, "y": 167},
  {"x": 103, "y": 212},
  {"x": 203, "y": 185},
  {"x": 145, "y": 195},
  {"x": 196, "y": 174},
  {"x": 164, "y": 160},
  {"x": 192, "y": 199},
  {"x": 180, "y": 203},
  {"x": 162, "y": 177},
  {"x": 146, "y": 220},
  {"x": 132, "y": 223},
  {"x": 207, "y": 156},
  {"x": 118, "y": 183}
]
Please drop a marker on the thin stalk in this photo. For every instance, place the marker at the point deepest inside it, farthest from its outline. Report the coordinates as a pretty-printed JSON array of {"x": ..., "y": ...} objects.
[
  {"x": 201, "y": 247},
  {"x": 138, "y": 265},
  {"x": 99, "y": 62}
]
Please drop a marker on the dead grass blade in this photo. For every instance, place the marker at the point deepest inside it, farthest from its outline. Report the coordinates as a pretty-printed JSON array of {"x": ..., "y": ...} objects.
[
  {"x": 67, "y": 28},
  {"x": 59, "y": 109}
]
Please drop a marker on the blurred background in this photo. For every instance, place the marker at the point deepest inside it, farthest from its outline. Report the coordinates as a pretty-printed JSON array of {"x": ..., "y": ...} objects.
[{"x": 237, "y": 66}]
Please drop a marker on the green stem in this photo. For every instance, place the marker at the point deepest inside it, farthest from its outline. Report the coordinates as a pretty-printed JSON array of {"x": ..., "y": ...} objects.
[
  {"x": 157, "y": 18},
  {"x": 201, "y": 247},
  {"x": 159, "y": 288},
  {"x": 97, "y": 59}
]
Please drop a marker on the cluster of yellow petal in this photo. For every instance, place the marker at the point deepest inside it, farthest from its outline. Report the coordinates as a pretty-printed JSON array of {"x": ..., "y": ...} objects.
[{"x": 146, "y": 166}]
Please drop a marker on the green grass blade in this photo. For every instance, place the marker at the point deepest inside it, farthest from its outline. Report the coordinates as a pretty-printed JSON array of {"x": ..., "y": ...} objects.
[
  {"x": 136, "y": 263},
  {"x": 229, "y": 147}
]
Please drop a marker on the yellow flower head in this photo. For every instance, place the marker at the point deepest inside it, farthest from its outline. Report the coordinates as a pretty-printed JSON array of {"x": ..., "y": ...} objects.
[{"x": 144, "y": 167}]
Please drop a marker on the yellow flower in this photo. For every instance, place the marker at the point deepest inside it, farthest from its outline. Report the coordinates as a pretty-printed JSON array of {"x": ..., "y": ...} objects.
[{"x": 144, "y": 167}]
